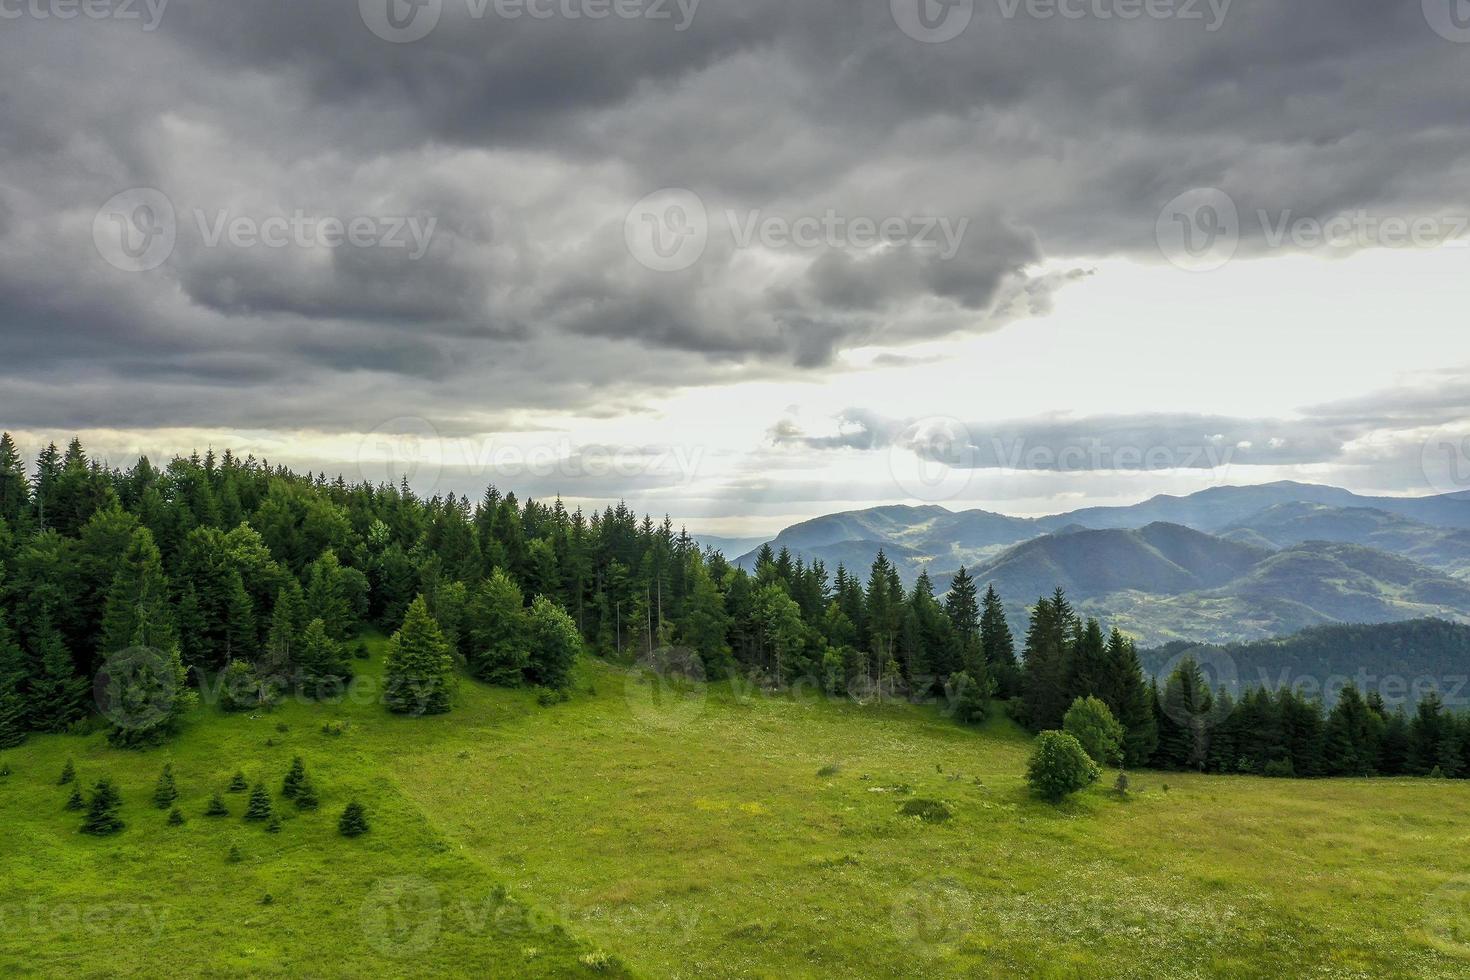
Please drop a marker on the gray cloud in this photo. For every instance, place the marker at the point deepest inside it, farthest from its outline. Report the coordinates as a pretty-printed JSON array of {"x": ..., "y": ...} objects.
[{"x": 530, "y": 139}]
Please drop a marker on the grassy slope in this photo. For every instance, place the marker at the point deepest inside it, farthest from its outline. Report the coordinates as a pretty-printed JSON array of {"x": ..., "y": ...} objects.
[{"x": 696, "y": 838}]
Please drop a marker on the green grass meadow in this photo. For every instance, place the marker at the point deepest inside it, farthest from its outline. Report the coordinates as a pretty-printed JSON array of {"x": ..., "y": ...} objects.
[{"x": 721, "y": 833}]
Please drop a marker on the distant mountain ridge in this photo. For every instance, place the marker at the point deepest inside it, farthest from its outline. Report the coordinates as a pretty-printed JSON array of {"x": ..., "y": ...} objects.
[{"x": 1224, "y": 564}]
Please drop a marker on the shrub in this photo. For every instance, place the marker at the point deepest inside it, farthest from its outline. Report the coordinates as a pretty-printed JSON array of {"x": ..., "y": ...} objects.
[
  {"x": 235, "y": 856},
  {"x": 68, "y": 774},
  {"x": 1091, "y": 723},
  {"x": 1059, "y": 766},
  {"x": 238, "y": 784},
  {"x": 1120, "y": 786},
  {"x": 75, "y": 802},
  {"x": 929, "y": 811},
  {"x": 361, "y": 653},
  {"x": 831, "y": 769},
  {"x": 353, "y": 822},
  {"x": 102, "y": 818},
  {"x": 273, "y": 825},
  {"x": 175, "y": 818},
  {"x": 1279, "y": 769},
  {"x": 216, "y": 807}
]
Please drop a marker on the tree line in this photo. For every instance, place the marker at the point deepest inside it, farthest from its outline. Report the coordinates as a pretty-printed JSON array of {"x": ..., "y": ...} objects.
[{"x": 255, "y": 578}]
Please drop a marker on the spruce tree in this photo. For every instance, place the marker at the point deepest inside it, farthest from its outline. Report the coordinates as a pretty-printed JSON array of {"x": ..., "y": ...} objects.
[
  {"x": 240, "y": 635},
  {"x": 288, "y": 619},
  {"x": 273, "y": 825},
  {"x": 68, "y": 773},
  {"x": 57, "y": 696},
  {"x": 323, "y": 662},
  {"x": 13, "y": 706},
  {"x": 15, "y": 489},
  {"x": 166, "y": 792},
  {"x": 1048, "y": 649},
  {"x": 294, "y": 778},
  {"x": 175, "y": 818},
  {"x": 353, "y": 822},
  {"x": 238, "y": 783},
  {"x": 259, "y": 807},
  {"x": 102, "y": 818},
  {"x": 74, "y": 801},
  {"x": 498, "y": 632},
  {"x": 419, "y": 669},
  {"x": 306, "y": 798},
  {"x": 217, "y": 807}
]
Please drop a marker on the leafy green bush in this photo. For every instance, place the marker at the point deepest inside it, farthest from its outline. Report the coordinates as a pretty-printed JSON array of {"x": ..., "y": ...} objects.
[
  {"x": 1091, "y": 723},
  {"x": 1059, "y": 767}
]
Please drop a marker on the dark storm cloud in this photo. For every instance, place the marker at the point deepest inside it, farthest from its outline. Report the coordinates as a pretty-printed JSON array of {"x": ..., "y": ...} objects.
[{"x": 528, "y": 140}]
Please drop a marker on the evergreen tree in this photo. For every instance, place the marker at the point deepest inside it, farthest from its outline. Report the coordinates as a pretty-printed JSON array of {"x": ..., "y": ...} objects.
[
  {"x": 498, "y": 641},
  {"x": 259, "y": 807},
  {"x": 353, "y": 822},
  {"x": 963, "y": 609},
  {"x": 68, "y": 773},
  {"x": 998, "y": 645},
  {"x": 1090, "y": 722},
  {"x": 138, "y": 592},
  {"x": 419, "y": 670},
  {"x": 294, "y": 778},
  {"x": 1353, "y": 737},
  {"x": 217, "y": 807},
  {"x": 13, "y": 706},
  {"x": 102, "y": 818},
  {"x": 306, "y": 798},
  {"x": 166, "y": 792},
  {"x": 15, "y": 489},
  {"x": 1048, "y": 651},
  {"x": 1185, "y": 717},
  {"x": 74, "y": 802},
  {"x": 238, "y": 783},
  {"x": 57, "y": 696},
  {"x": 175, "y": 817},
  {"x": 325, "y": 666},
  {"x": 240, "y": 638},
  {"x": 288, "y": 620}
]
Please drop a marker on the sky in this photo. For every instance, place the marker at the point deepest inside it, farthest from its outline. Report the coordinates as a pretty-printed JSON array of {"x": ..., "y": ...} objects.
[{"x": 744, "y": 262}]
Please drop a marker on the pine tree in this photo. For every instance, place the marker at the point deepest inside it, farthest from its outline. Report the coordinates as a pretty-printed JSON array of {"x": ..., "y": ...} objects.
[
  {"x": 13, "y": 707},
  {"x": 175, "y": 817},
  {"x": 138, "y": 593},
  {"x": 325, "y": 597},
  {"x": 306, "y": 798},
  {"x": 68, "y": 773},
  {"x": 273, "y": 825},
  {"x": 75, "y": 802},
  {"x": 217, "y": 807},
  {"x": 1134, "y": 707},
  {"x": 964, "y": 610},
  {"x": 240, "y": 635},
  {"x": 294, "y": 778},
  {"x": 238, "y": 783},
  {"x": 1185, "y": 706},
  {"x": 57, "y": 696},
  {"x": 325, "y": 668},
  {"x": 288, "y": 619},
  {"x": 102, "y": 818},
  {"x": 1048, "y": 649},
  {"x": 419, "y": 669},
  {"x": 998, "y": 645},
  {"x": 498, "y": 640},
  {"x": 259, "y": 807},
  {"x": 15, "y": 489},
  {"x": 353, "y": 822},
  {"x": 166, "y": 792}
]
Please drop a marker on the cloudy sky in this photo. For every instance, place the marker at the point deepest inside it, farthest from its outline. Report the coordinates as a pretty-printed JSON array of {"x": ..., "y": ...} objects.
[{"x": 746, "y": 261}]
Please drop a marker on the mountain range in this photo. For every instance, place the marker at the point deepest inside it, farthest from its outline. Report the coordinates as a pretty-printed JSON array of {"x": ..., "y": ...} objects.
[{"x": 1226, "y": 564}]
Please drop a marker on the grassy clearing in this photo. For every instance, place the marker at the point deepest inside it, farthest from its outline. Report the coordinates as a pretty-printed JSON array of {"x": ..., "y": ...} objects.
[{"x": 723, "y": 834}]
